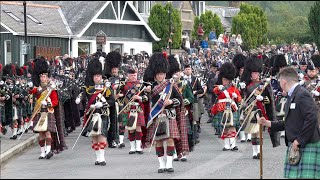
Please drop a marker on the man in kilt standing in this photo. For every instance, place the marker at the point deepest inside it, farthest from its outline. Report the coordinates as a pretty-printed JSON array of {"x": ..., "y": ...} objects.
[
  {"x": 185, "y": 90},
  {"x": 47, "y": 99},
  {"x": 225, "y": 111},
  {"x": 302, "y": 133},
  {"x": 97, "y": 115},
  {"x": 111, "y": 71},
  {"x": 133, "y": 103},
  {"x": 166, "y": 121}
]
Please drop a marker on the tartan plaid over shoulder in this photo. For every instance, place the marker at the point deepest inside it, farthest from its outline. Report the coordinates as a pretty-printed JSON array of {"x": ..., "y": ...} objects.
[{"x": 181, "y": 144}]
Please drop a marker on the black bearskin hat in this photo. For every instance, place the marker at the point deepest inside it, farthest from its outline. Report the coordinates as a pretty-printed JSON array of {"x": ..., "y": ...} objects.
[
  {"x": 94, "y": 67},
  {"x": 113, "y": 59},
  {"x": 253, "y": 64},
  {"x": 239, "y": 60},
  {"x": 9, "y": 70},
  {"x": 174, "y": 66},
  {"x": 41, "y": 66},
  {"x": 19, "y": 71},
  {"x": 228, "y": 71},
  {"x": 157, "y": 64},
  {"x": 278, "y": 62},
  {"x": 316, "y": 60}
]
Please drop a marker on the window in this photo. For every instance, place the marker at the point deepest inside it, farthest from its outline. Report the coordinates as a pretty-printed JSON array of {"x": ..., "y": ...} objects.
[
  {"x": 141, "y": 6},
  {"x": 13, "y": 16},
  {"x": 33, "y": 18},
  {"x": 7, "y": 52},
  {"x": 201, "y": 7},
  {"x": 83, "y": 48},
  {"x": 116, "y": 47}
]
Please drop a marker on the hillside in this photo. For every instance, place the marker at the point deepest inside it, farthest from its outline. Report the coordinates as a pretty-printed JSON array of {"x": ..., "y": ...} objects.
[{"x": 287, "y": 20}]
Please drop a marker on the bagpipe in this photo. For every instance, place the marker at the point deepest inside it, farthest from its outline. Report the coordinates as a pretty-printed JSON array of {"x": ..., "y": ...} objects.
[{"x": 248, "y": 106}]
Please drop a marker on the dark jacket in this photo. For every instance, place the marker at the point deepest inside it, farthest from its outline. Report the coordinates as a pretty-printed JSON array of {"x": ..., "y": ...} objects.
[
  {"x": 300, "y": 118},
  {"x": 196, "y": 86}
]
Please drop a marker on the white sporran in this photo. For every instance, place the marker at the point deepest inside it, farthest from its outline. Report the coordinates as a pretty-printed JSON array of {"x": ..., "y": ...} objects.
[{"x": 42, "y": 124}]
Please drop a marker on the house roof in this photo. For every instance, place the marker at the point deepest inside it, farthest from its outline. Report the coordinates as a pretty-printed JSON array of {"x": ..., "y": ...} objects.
[
  {"x": 225, "y": 13},
  {"x": 50, "y": 17},
  {"x": 79, "y": 13}
]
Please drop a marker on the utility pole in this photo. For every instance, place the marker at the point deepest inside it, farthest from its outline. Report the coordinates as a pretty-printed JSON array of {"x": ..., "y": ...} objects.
[
  {"x": 170, "y": 28},
  {"x": 25, "y": 31}
]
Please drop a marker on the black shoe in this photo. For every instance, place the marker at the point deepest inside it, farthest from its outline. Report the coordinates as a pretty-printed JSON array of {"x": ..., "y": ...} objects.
[
  {"x": 13, "y": 137},
  {"x": 161, "y": 170},
  {"x": 176, "y": 159},
  {"x": 49, "y": 155},
  {"x": 209, "y": 121},
  {"x": 96, "y": 163},
  {"x": 255, "y": 157},
  {"x": 197, "y": 141},
  {"x": 25, "y": 131},
  {"x": 183, "y": 159},
  {"x": 225, "y": 149},
  {"x": 216, "y": 133},
  {"x": 112, "y": 146},
  {"x": 139, "y": 152},
  {"x": 103, "y": 163},
  {"x": 234, "y": 149},
  {"x": 243, "y": 141},
  {"x": 69, "y": 131},
  {"x": 248, "y": 140},
  {"x": 66, "y": 134},
  {"x": 132, "y": 152},
  {"x": 40, "y": 157},
  {"x": 122, "y": 145},
  {"x": 19, "y": 133},
  {"x": 170, "y": 170}
]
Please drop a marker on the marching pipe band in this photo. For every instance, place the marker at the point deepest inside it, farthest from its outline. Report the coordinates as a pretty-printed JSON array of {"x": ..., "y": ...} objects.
[{"x": 114, "y": 95}]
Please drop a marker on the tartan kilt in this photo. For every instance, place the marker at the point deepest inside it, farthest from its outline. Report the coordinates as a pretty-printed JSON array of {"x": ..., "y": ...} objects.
[
  {"x": 105, "y": 126},
  {"x": 173, "y": 129},
  {"x": 309, "y": 165},
  {"x": 217, "y": 120},
  {"x": 140, "y": 119},
  {"x": 2, "y": 115},
  {"x": 51, "y": 122}
]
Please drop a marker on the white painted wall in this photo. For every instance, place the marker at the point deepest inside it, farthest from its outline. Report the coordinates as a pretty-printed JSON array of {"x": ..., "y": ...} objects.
[{"x": 127, "y": 45}]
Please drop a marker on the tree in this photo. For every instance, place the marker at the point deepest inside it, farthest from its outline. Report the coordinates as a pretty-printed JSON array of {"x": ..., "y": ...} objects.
[
  {"x": 251, "y": 23},
  {"x": 196, "y": 23},
  {"x": 159, "y": 23},
  {"x": 209, "y": 21},
  {"x": 314, "y": 22}
]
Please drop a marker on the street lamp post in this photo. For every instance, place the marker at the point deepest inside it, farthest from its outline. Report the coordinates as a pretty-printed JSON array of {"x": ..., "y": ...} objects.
[{"x": 25, "y": 28}]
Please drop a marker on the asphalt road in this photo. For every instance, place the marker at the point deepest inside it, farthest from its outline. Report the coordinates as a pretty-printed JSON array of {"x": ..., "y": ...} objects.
[{"x": 206, "y": 161}]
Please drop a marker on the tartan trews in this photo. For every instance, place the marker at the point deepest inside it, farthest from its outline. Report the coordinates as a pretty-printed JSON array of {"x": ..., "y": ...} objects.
[{"x": 309, "y": 165}]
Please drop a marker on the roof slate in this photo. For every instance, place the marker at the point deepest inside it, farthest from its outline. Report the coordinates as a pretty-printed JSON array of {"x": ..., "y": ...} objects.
[{"x": 52, "y": 22}]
